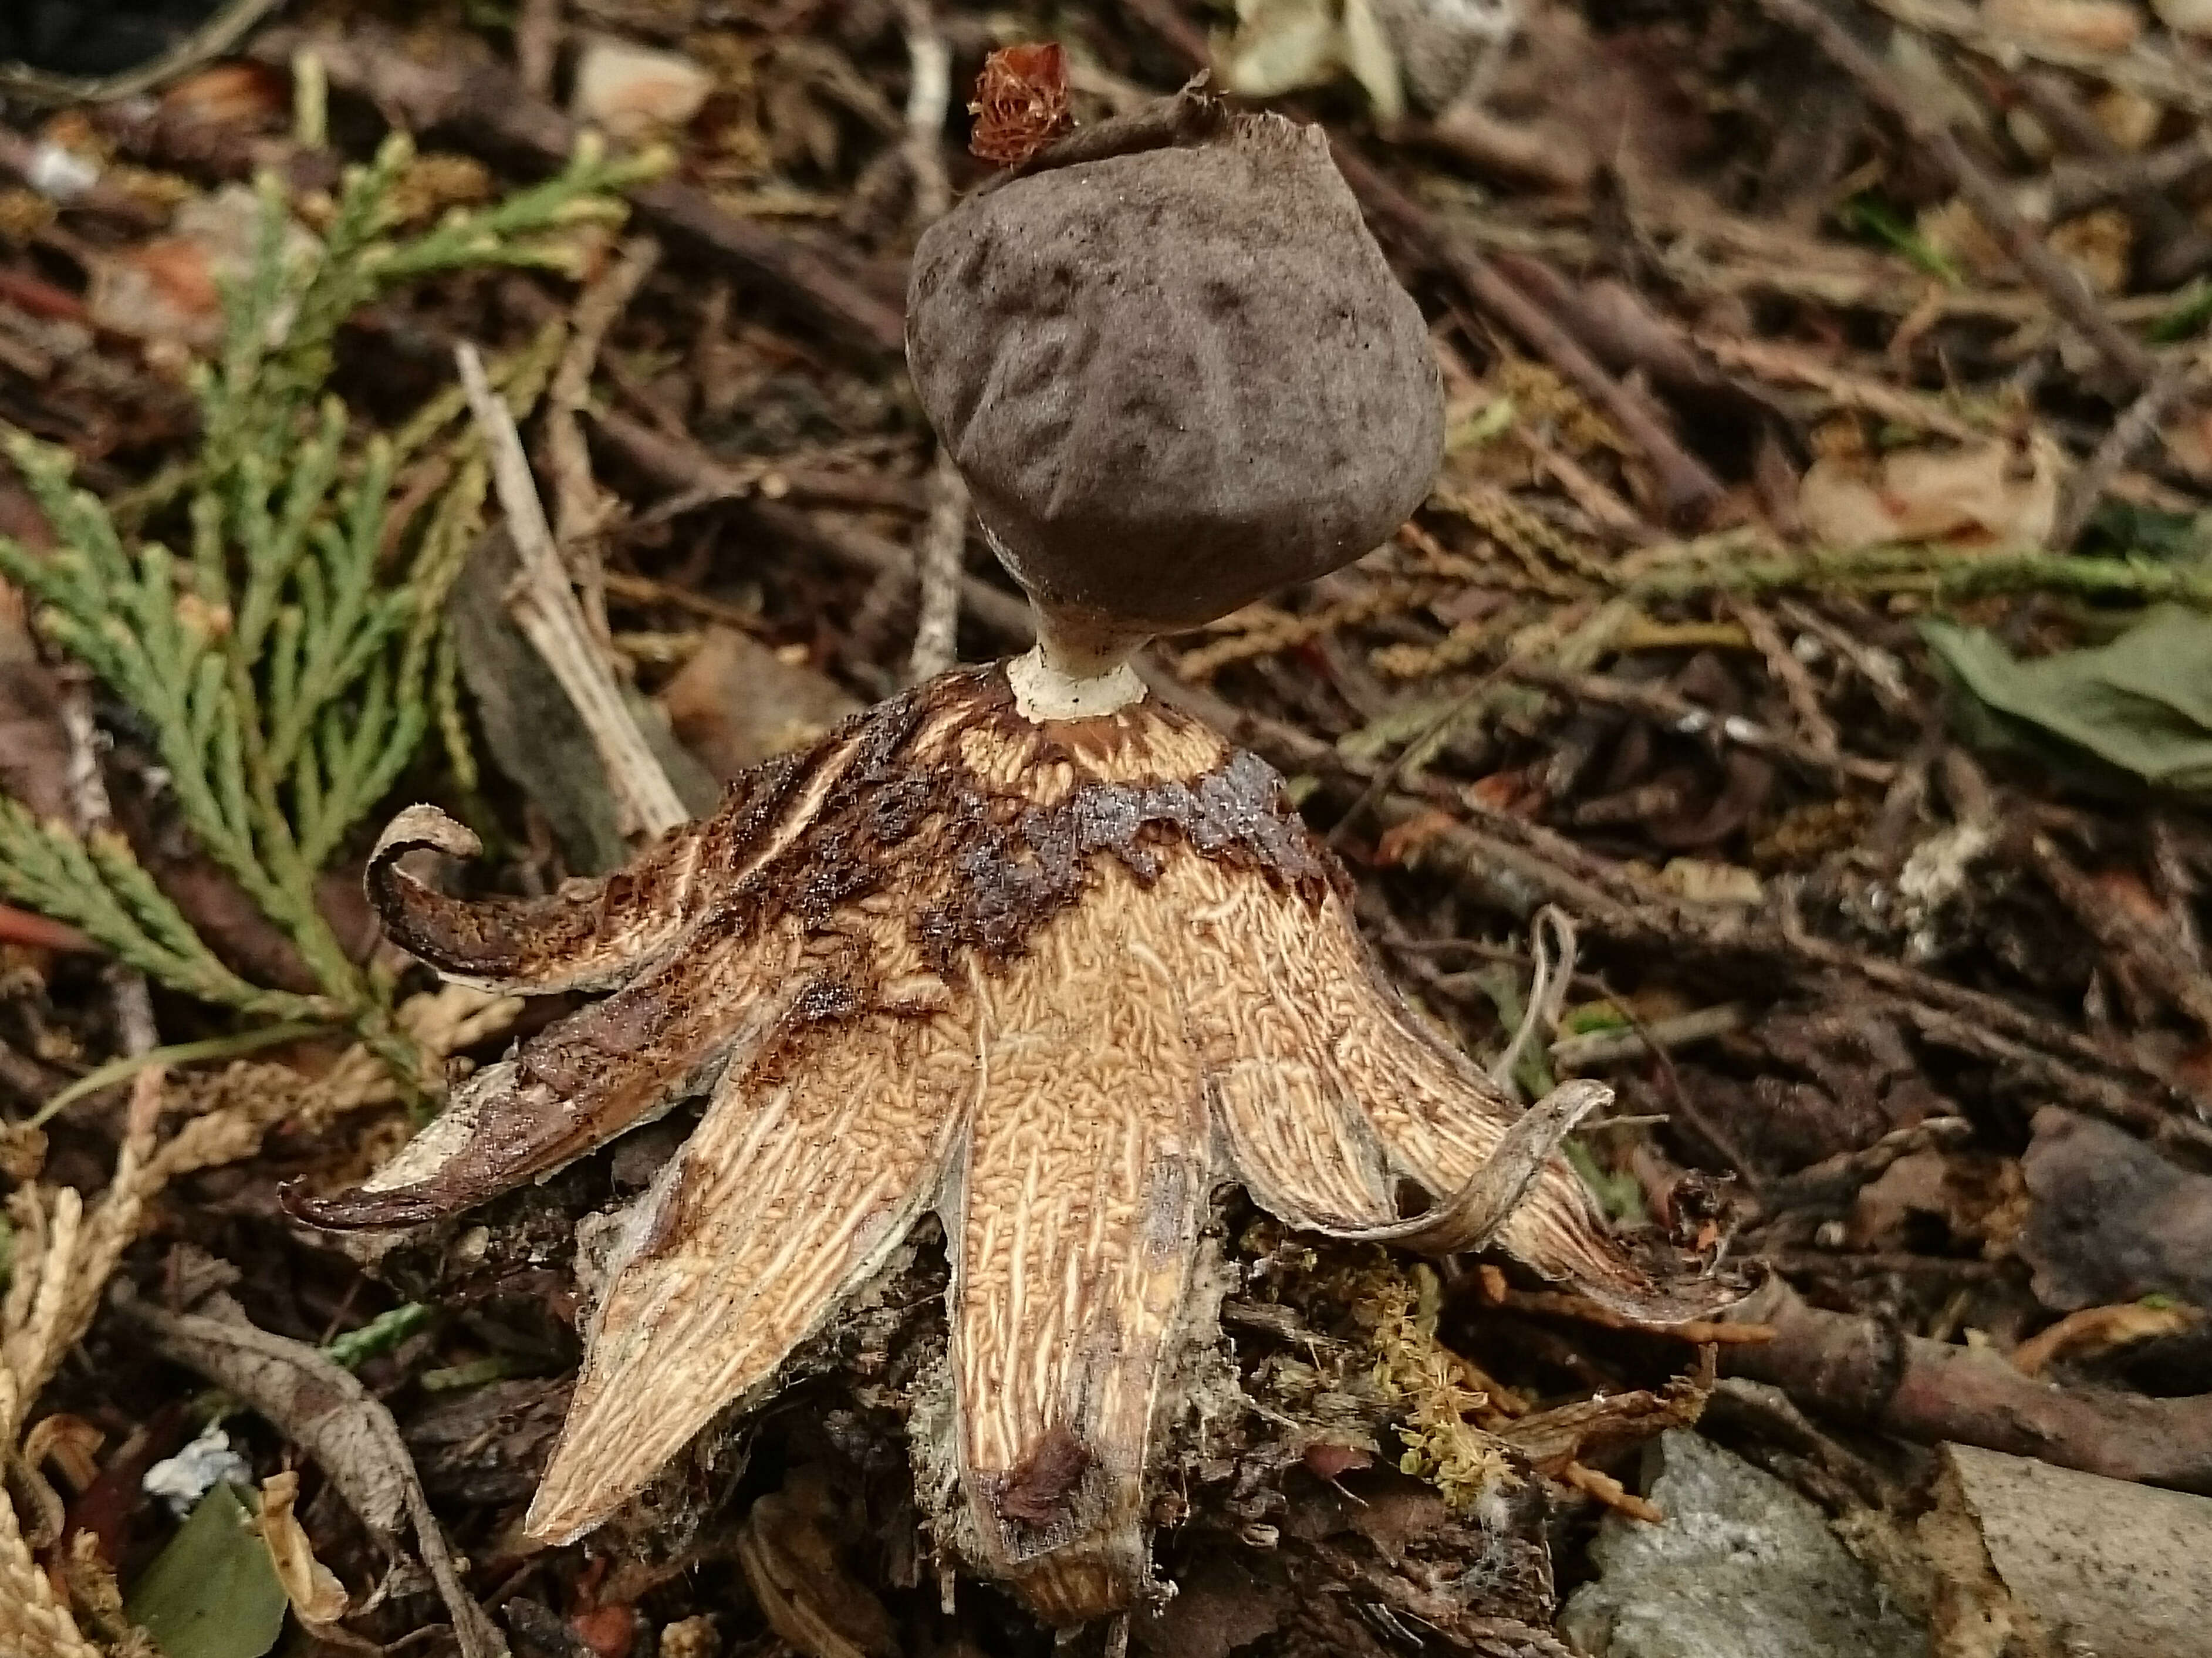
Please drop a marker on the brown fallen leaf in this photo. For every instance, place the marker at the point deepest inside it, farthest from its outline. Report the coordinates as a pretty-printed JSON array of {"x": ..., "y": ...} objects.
[
  {"x": 2094, "y": 26},
  {"x": 1402, "y": 842},
  {"x": 738, "y": 702},
  {"x": 313, "y": 1587},
  {"x": 2096, "y": 1330},
  {"x": 630, "y": 90},
  {"x": 789, "y": 1551},
  {"x": 1997, "y": 494},
  {"x": 235, "y": 92},
  {"x": 167, "y": 292}
]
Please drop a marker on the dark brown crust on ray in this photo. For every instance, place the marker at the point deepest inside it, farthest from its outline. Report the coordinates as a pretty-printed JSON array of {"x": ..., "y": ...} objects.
[
  {"x": 891, "y": 820},
  {"x": 589, "y": 935},
  {"x": 1021, "y": 863},
  {"x": 575, "y": 1085},
  {"x": 1036, "y": 1489}
]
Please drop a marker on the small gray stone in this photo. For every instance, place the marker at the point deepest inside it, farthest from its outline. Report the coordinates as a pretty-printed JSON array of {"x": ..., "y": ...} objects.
[{"x": 1742, "y": 1567}]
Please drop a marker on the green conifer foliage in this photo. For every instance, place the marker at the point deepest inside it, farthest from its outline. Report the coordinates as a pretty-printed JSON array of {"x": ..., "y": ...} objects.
[{"x": 290, "y": 659}]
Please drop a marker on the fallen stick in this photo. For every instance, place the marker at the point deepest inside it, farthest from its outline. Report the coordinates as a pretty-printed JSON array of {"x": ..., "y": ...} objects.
[
  {"x": 1688, "y": 491},
  {"x": 2127, "y": 437},
  {"x": 2069, "y": 290},
  {"x": 1871, "y": 1372},
  {"x": 489, "y": 106},
  {"x": 544, "y": 605}
]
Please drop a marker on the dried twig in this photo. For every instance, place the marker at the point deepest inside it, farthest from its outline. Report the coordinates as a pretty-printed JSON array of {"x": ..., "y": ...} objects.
[
  {"x": 1490, "y": 1287},
  {"x": 2069, "y": 290},
  {"x": 703, "y": 480},
  {"x": 1797, "y": 685},
  {"x": 1688, "y": 490},
  {"x": 2174, "y": 248},
  {"x": 537, "y": 42},
  {"x": 1505, "y": 863},
  {"x": 580, "y": 509},
  {"x": 938, "y": 563},
  {"x": 1552, "y": 946},
  {"x": 88, "y": 789},
  {"x": 490, "y": 104},
  {"x": 1599, "y": 1047},
  {"x": 2162, "y": 960},
  {"x": 2137, "y": 425},
  {"x": 929, "y": 93},
  {"x": 544, "y": 607},
  {"x": 2158, "y": 73},
  {"x": 945, "y": 532},
  {"x": 1836, "y": 1180},
  {"x": 1870, "y": 1371},
  {"x": 1680, "y": 715},
  {"x": 228, "y": 25}
]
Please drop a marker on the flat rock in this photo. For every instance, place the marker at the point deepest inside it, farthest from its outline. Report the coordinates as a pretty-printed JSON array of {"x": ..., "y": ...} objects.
[{"x": 1742, "y": 1567}]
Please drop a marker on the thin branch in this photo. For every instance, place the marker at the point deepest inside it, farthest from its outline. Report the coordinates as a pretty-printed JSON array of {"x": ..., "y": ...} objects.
[
  {"x": 945, "y": 532},
  {"x": 544, "y": 607},
  {"x": 2069, "y": 290},
  {"x": 938, "y": 563},
  {"x": 134, "y": 1002},
  {"x": 580, "y": 508},
  {"x": 1687, "y": 488},
  {"x": 929, "y": 94},
  {"x": 2138, "y": 424}
]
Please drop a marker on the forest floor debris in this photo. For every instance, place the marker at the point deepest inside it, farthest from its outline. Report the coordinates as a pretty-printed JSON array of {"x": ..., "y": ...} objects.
[{"x": 1811, "y": 611}]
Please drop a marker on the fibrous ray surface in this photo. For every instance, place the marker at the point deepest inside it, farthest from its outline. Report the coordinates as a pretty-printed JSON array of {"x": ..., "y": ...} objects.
[
  {"x": 1331, "y": 1095},
  {"x": 592, "y": 934},
  {"x": 791, "y": 1190},
  {"x": 1075, "y": 1215},
  {"x": 1034, "y": 974}
]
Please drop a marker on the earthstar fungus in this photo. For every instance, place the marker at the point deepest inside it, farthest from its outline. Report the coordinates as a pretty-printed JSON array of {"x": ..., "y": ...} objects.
[{"x": 1019, "y": 946}]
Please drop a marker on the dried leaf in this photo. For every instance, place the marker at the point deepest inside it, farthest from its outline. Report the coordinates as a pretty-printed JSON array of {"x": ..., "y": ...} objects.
[
  {"x": 630, "y": 90},
  {"x": 1997, "y": 494},
  {"x": 213, "y": 1591},
  {"x": 1373, "y": 61},
  {"x": 313, "y": 1587},
  {"x": 791, "y": 1555},
  {"x": 2136, "y": 713},
  {"x": 2184, "y": 16},
  {"x": 2095, "y": 1331},
  {"x": 736, "y": 702},
  {"x": 2098, "y": 25},
  {"x": 168, "y": 292},
  {"x": 1704, "y": 881},
  {"x": 1279, "y": 46}
]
